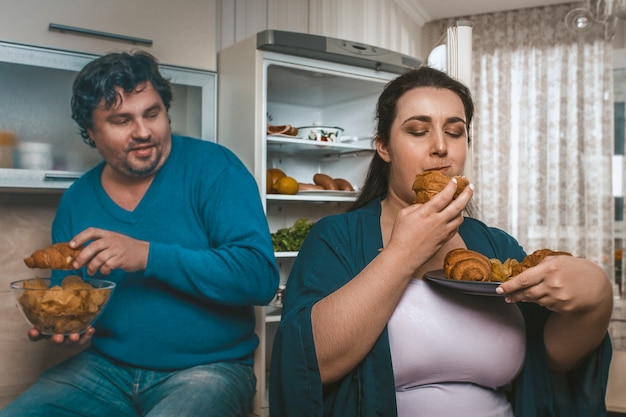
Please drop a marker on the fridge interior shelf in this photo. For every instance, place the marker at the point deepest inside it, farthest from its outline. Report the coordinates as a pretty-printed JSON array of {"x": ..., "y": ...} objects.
[
  {"x": 311, "y": 197},
  {"x": 288, "y": 254},
  {"x": 280, "y": 144}
]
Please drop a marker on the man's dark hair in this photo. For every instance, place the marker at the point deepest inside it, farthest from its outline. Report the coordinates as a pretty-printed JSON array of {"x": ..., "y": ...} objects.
[{"x": 99, "y": 79}]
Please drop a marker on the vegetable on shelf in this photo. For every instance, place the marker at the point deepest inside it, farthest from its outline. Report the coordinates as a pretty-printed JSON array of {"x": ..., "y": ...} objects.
[{"x": 291, "y": 238}]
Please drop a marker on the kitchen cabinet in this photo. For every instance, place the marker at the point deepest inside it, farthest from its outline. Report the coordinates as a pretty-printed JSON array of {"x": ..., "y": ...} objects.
[
  {"x": 182, "y": 35},
  {"x": 265, "y": 86},
  {"x": 36, "y": 85}
]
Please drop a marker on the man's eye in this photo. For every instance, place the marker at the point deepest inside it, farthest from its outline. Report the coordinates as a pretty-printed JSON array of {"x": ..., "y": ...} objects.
[
  {"x": 152, "y": 115},
  {"x": 119, "y": 122}
]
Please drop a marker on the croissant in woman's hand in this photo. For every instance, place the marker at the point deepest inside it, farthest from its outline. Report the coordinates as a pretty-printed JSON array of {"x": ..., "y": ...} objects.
[
  {"x": 57, "y": 256},
  {"x": 430, "y": 183}
]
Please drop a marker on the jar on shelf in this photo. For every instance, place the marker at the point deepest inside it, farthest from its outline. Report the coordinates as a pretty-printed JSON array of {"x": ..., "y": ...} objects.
[
  {"x": 35, "y": 155},
  {"x": 7, "y": 148}
]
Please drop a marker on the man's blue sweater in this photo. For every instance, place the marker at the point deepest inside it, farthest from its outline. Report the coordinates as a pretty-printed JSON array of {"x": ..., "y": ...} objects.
[{"x": 210, "y": 260}]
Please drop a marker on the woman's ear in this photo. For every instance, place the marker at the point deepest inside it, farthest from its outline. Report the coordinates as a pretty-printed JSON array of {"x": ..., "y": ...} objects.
[{"x": 382, "y": 149}]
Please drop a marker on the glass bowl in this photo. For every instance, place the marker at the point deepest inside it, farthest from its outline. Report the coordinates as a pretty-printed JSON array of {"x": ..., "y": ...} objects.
[{"x": 69, "y": 308}]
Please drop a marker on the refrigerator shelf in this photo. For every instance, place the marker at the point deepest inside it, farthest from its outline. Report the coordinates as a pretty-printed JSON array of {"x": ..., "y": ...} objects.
[{"x": 297, "y": 146}]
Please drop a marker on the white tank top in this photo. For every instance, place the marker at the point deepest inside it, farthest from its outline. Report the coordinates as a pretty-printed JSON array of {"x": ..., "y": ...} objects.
[{"x": 452, "y": 351}]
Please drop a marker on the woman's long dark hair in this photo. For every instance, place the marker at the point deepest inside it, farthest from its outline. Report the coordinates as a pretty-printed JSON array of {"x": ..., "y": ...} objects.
[
  {"x": 377, "y": 180},
  {"x": 99, "y": 78}
]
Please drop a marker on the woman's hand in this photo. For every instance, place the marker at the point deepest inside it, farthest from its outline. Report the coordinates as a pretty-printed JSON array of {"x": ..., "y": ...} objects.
[
  {"x": 71, "y": 340},
  {"x": 109, "y": 250},
  {"x": 579, "y": 294},
  {"x": 563, "y": 284},
  {"x": 421, "y": 230}
]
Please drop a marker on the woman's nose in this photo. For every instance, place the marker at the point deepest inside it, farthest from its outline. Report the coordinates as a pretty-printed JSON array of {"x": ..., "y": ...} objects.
[{"x": 439, "y": 145}]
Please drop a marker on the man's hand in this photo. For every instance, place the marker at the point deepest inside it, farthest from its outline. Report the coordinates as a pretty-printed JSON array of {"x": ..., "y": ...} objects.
[
  {"x": 71, "y": 340},
  {"x": 109, "y": 250}
]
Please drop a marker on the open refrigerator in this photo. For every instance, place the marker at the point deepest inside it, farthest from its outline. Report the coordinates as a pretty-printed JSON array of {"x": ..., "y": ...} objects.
[{"x": 287, "y": 78}]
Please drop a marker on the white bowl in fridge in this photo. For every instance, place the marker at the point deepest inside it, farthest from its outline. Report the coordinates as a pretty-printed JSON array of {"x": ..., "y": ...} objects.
[{"x": 320, "y": 133}]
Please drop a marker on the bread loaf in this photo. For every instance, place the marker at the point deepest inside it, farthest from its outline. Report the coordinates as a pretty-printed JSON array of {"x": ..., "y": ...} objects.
[{"x": 325, "y": 181}]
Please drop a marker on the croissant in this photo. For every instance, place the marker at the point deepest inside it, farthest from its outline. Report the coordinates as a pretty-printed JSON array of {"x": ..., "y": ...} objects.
[
  {"x": 502, "y": 271},
  {"x": 428, "y": 184},
  {"x": 537, "y": 256},
  {"x": 57, "y": 256},
  {"x": 466, "y": 265}
]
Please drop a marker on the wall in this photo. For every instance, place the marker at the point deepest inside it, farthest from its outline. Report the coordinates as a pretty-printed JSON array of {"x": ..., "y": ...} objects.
[{"x": 25, "y": 225}]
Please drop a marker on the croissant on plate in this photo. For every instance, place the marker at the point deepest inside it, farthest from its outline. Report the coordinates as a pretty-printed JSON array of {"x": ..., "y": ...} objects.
[
  {"x": 56, "y": 256},
  {"x": 428, "y": 184},
  {"x": 537, "y": 256},
  {"x": 466, "y": 265},
  {"x": 502, "y": 271}
]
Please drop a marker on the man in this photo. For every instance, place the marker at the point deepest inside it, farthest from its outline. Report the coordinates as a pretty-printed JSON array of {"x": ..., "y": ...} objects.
[{"x": 178, "y": 224}]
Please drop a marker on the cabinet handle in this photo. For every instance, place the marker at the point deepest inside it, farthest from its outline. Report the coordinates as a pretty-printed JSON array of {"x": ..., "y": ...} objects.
[
  {"x": 131, "y": 39},
  {"x": 60, "y": 176}
]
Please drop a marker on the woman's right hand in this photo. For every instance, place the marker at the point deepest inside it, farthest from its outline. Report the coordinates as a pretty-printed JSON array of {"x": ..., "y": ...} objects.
[{"x": 421, "y": 230}]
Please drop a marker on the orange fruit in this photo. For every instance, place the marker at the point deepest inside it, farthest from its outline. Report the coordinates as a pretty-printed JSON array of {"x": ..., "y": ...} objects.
[
  {"x": 273, "y": 175},
  {"x": 286, "y": 185}
]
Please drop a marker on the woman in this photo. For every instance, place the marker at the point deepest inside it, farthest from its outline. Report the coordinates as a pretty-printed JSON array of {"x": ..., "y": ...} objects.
[{"x": 363, "y": 334}]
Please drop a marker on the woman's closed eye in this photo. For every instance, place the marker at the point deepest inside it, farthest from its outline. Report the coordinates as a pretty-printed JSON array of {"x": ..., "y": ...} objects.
[
  {"x": 452, "y": 133},
  {"x": 418, "y": 133},
  {"x": 455, "y": 134}
]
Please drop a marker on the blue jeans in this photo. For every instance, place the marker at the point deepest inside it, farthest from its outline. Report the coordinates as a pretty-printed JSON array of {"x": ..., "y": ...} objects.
[{"x": 89, "y": 385}]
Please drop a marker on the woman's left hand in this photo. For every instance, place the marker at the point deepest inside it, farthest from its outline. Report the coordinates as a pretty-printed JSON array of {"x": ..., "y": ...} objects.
[
  {"x": 563, "y": 284},
  {"x": 578, "y": 293}
]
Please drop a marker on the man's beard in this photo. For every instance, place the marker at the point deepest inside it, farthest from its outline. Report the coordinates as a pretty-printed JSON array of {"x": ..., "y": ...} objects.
[{"x": 142, "y": 167}]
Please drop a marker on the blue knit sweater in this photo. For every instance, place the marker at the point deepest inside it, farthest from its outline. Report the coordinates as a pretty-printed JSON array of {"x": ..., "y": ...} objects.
[{"x": 210, "y": 261}]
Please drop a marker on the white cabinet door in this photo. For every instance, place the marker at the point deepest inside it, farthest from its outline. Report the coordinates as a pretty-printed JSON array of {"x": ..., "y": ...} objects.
[{"x": 181, "y": 33}]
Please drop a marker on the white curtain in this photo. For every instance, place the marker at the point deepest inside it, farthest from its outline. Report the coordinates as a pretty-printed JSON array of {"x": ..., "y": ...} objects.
[{"x": 543, "y": 131}]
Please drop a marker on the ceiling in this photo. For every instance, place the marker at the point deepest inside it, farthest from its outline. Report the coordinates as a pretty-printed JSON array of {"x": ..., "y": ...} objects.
[{"x": 424, "y": 11}]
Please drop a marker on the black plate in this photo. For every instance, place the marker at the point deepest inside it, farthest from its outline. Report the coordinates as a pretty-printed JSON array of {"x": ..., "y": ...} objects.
[{"x": 467, "y": 287}]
